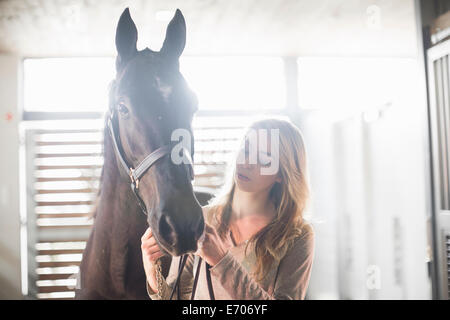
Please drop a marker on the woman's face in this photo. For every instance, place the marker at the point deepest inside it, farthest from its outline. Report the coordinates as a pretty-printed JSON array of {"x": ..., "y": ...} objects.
[{"x": 253, "y": 157}]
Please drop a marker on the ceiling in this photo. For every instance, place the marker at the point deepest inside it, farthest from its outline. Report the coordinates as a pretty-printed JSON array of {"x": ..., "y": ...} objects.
[{"x": 34, "y": 28}]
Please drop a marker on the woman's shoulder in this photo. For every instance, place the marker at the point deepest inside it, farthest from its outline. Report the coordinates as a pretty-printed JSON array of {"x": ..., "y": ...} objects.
[
  {"x": 307, "y": 231},
  {"x": 304, "y": 243}
]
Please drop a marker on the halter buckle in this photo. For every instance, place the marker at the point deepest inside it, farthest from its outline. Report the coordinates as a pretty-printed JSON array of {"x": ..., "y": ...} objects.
[{"x": 134, "y": 181}]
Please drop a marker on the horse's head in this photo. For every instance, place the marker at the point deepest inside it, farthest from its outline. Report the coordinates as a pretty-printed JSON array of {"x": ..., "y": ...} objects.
[{"x": 151, "y": 99}]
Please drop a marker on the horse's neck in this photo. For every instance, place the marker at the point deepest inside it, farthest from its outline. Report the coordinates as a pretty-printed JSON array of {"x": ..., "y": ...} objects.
[
  {"x": 115, "y": 190},
  {"x": 118, "y": 220}
]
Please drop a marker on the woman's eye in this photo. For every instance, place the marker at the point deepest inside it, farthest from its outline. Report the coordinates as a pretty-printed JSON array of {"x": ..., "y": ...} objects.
[
  {"x": 267, "y": 164},
  {"x": 264, "y": 161}
]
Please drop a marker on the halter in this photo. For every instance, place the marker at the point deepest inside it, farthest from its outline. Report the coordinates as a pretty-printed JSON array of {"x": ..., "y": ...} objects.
[{"x": 139, "y": 171}]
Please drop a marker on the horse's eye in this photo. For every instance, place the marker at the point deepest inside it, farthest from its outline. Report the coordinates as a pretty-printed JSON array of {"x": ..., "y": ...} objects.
[{"x": 122, "y": 109}]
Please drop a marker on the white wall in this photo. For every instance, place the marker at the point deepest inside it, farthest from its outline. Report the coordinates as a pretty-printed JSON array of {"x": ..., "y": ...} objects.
[
  {"x": 10, "y": 272},
  {"x": 369, "y": 179}
]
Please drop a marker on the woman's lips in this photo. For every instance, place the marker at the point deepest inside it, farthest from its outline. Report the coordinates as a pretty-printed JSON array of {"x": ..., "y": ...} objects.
[{"x": 242, "y": 177}]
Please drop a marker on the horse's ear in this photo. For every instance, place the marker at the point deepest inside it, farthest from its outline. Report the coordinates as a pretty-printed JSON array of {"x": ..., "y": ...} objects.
[
  {"x": 126, "y": 38},
  {"x": 175, "y": 40}
]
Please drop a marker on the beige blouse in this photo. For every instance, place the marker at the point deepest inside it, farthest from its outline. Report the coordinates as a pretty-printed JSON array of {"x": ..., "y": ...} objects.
[{"x": 231, "y": 278}]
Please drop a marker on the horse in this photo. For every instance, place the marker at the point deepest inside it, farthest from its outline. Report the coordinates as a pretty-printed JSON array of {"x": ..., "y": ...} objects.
[{"x": 149, "y": 99}]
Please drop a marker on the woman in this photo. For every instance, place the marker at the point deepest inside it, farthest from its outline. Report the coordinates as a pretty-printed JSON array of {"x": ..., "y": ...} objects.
[{"x": 257, "y": 242}]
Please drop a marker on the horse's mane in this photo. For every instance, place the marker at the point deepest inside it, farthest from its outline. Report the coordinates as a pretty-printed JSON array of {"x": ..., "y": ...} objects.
[{"x": 111, "y": 89}]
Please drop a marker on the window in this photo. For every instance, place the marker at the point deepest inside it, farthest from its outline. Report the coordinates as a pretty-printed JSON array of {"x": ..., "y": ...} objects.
[
  {"x": 351, "y": 83},
  {"x": 67, "y": 84},
  {"x": 236, "y": 83}
]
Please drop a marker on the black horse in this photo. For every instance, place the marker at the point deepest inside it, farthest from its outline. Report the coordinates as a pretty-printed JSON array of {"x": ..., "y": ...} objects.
[{"x": 149, "y": 99}]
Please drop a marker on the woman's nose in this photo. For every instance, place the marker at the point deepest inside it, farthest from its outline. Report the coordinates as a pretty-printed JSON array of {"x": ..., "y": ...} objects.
[{"x": 245, "y": 168}]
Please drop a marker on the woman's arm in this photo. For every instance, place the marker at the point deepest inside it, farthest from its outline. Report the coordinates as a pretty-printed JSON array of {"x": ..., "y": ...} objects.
[
  {"x": 293, "y": 275},
  {"x": 186, "y": 281},
  {"x": 151, "y": 252}
]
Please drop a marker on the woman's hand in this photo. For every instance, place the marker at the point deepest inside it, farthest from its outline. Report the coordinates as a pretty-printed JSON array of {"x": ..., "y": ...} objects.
[
  {"x": 212, "y": 248},
  {"x": 150, "y": 253}
]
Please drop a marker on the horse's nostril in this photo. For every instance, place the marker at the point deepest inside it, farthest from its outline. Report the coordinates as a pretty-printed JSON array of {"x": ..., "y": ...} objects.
[{"x": 167, "y": 229}]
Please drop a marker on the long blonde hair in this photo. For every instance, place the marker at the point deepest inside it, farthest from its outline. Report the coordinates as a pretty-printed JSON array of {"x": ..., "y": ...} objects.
[{"x": 290, "y": 198}]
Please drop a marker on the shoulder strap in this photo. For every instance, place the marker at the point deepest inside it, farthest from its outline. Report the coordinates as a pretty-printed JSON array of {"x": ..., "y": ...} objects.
[
  {"x": 208, "y": 280},
  {"x": 276, "y": 275}
]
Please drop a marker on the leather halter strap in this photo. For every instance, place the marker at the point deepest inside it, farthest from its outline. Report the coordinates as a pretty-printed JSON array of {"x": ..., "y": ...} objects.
[{"x": 137, "y": 173}]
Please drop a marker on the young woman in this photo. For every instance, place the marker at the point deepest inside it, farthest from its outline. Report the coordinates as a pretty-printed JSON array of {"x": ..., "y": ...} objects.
[{"x": 257, "y": 242}]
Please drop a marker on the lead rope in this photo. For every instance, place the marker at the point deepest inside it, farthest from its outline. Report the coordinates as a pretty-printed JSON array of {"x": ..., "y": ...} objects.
[
  {"x": 183, "y": 259},
  {"x": 197, "y": 272},
  {"x": 159, "y": 278},
  {"x": 208, "y": 280},
  {"x": 177, "y": 282}
]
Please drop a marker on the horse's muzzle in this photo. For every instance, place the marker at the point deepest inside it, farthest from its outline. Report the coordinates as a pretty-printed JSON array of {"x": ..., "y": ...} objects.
[{"x": 179, "y": 237}]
